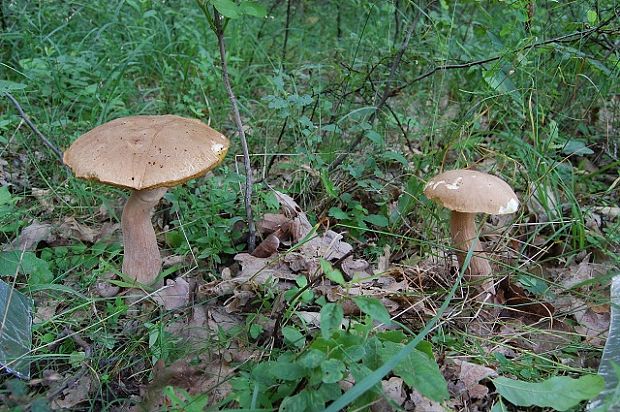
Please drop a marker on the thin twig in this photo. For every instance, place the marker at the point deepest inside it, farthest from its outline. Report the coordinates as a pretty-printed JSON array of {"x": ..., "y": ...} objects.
[
  {"x": 68, "y": 383},
  {"x": 389, "y": 91},
  {"x": 560, "y": 39},
  {"x": 286, "y": 30},
  {"x": 32, "y": 127},
  {"x": 244, "y": 144}
]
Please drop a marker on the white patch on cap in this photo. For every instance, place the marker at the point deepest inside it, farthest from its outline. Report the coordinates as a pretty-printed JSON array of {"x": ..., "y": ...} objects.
[
  {"x": 511, "y": 206},
  {"x": 456, "y": 185},
  {"x": 217, "y": 147}
]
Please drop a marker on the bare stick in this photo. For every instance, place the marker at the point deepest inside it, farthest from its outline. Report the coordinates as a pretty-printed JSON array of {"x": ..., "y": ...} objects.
[
  {"x": 286, "y": 29},
  {"x": 244, "y": 143},
  {"x": 32, "y": 127}
]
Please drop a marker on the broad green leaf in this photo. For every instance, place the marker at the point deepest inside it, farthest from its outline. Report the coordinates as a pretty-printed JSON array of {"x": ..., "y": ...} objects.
[
  {"x": 287, "y": 371},
  {"x": 374, "y": 308},
  {"x": 418, "y": 370},
  {"x": 592, "y": 16},
  {"x": 499, "y": 407},
  {"x": 576, "y": 147},
  {"x": 377, "y": 220},
  {"x": 337, "y": 213},
  {"x": 27, "y": 263},
  {"x": 392, "y": 155},
  {"x": 559, "y": 392},
  {"x": 332, "y": 371},
  {"x": 498, "y": 79},
  {"x": 226, "y": 8},
  {"x": 9, "y": 86},
  {"x": 15, "y": 331},
  {"x": 374, "y": 137},
  {"x": 312, "y": 359},
  {"x": 297, "y": 403},
  {"x": 332, "y": 273},
  {"x": 331, "y": 318},
  {"x": 293, "y": 336}
]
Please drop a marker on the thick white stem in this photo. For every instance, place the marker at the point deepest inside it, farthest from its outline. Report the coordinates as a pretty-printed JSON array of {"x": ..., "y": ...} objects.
[
  {"x": 142, "y": 260},
  {"x": 464, "y": 237}
]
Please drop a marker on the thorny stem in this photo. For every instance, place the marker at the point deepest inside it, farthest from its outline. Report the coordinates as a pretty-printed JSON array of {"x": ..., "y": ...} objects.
[{"x": 219, "y": 32}]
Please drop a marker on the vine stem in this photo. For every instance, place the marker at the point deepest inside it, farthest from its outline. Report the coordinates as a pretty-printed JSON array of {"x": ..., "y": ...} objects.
[{"x": 219, "y": 32}]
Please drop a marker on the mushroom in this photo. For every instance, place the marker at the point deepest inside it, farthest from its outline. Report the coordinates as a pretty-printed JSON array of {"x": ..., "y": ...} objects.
[
  {"x": 147, "y": 154},
  {"x": 465, "y": 193}
]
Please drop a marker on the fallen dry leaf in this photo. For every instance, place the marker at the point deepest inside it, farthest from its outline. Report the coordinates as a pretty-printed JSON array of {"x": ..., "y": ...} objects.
[
  {"x": 393, "y": 391},
  {"x": 75, "y": 394},
  {"x": 422, "y": 404},
  {"x": 31, "y": 235},
  {"x": 271, "y": 222},
  {"x": 72, "y": 229},
  {"x": 471, "y": 374},
  {"x": 582, "y": 272},
  {"x": 259, "y": 270},
  {"x": 355, "y": 268},
  {"x": 174, "y": 295},
  {"x": 267, "y": 247},
  {"x": 104, "y": 288}
]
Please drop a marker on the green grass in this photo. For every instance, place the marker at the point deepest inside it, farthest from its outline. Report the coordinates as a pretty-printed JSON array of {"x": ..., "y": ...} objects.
[{"x": 543, "y": 117}]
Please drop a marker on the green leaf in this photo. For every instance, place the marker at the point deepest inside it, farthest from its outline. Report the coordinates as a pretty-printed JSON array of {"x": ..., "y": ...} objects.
[
  {"x": 374, "y": 308},
  {"x": 418, "y": 371},
  {"x": 297, "y": 403},
  {"x": 9, "y": 86},
  {"x": 337, "y": 213},
  {"x": 377, "y": 220},
  {"x": 226, "y": 8},
  {"x": 312, "y": 359},
  {"x": 559, "y": 392},
  {"x": 592, "y": 16},
  {"x": 332, "y": 273},
  {"x": 498, "y": 79},
  {"x": 332, "y": 371},
  {"x": 331, "y": 318},
  {"x": 27, "y": 263},
  {"x": 499, "y": 407},
  {"x": 287, "y": 371},
  {"x": 576, "y": 147},
  {"x": 293, "y": 336},
  {"x": 330, "y": 188},
  {"x": 374, "y": 137},
  {"x": 392, "y": 155}
]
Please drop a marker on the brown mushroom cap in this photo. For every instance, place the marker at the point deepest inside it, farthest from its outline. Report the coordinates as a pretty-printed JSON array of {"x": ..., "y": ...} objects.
[
  {"x": 146, "y": 152},
  {"x": 469, "y": 191}
]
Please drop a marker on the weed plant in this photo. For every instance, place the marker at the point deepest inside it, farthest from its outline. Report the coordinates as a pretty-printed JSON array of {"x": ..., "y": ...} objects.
[{"x": 524, "y": 90}]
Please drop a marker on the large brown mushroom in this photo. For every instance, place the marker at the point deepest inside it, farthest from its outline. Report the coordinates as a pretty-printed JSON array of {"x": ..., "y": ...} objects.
[
  {"x": 147, "y": 154},
  {"x": 465, "y": 193}
]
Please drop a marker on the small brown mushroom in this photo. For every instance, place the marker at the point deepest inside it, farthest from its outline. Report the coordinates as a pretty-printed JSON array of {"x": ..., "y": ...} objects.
[
  {"x": 465, "y": 193},
  {"x": 147, "y": 154}
]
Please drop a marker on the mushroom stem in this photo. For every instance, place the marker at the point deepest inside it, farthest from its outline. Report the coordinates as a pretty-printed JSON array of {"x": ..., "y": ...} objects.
[
  {"x": 464, "y": 237},
  {"x": 142, "y": 260}
]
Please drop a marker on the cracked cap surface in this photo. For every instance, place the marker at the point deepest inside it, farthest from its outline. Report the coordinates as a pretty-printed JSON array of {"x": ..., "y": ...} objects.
[
  {"x": 470, "y": 191},
  {"x": 146, "y": 152}
]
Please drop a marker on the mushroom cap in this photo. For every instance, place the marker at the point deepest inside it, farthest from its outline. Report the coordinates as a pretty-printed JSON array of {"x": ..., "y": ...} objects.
[
  {"x": 146, "y": 152},
  {"x": 469, "y": 191}
]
